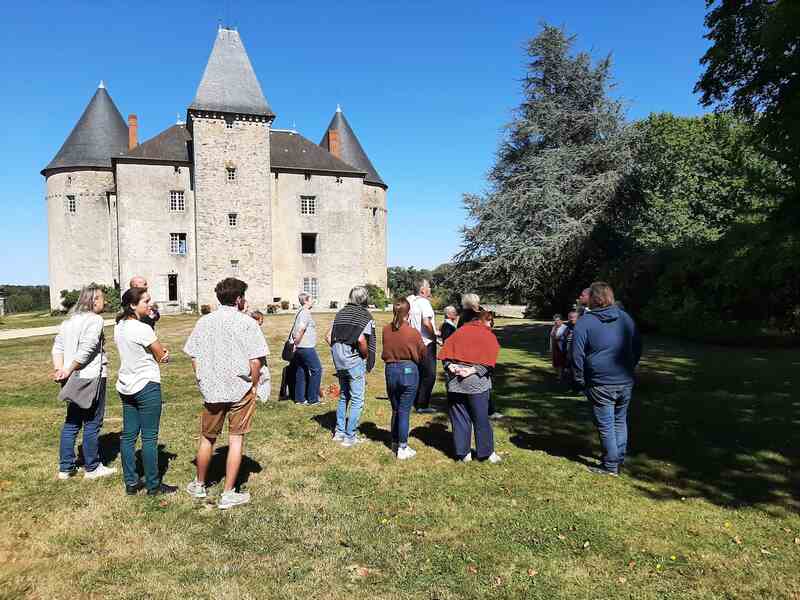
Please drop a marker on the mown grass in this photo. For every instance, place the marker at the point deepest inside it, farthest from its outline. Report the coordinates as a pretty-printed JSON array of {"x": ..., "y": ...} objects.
[
  {"x": 707, "y": 507},
  {"x": 29, "y": 319}
]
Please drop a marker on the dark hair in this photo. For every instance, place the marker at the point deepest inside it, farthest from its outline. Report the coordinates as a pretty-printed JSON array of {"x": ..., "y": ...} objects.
[
  {"x": 401, "y": 308},
  {"x": 229, "y": 289},
  {"x": 557, "y": 317},
  {"x": 132, "y": 297}
]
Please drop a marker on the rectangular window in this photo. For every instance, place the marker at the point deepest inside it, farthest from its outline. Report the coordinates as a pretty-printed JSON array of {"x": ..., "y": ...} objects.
[
  {"x": 233, "y": 219},
  {"x": 231, "y": 174},
  {"x": 172, "y": 287},
  {"x": 311, "y": 286},
  {"x": 234, "y": 267},
  {"x": 177, "y": 203},
  {"x": 177, "y": 243},
  {"x": 72, "y": 204},
  {"x": 308, "y": 205},
  {"x": 309, "y": 243}
]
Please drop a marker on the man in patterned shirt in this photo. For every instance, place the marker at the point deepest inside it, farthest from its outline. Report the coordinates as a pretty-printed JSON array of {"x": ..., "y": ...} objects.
[{"x": 228, "y": 350}]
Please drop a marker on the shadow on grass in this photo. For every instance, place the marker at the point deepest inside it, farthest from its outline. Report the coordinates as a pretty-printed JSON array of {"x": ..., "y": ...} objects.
[
  {"x": 216, "y": 470},
  {"x": 718, "y": 423}
]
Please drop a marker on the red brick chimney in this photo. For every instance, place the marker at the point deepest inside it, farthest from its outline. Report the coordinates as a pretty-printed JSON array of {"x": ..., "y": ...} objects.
[
  {"x": 333, "y": 142},
  {"x": 133, "y": 133}
]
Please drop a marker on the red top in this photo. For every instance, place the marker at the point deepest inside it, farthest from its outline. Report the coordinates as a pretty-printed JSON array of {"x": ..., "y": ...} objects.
[{"x": 472, "y": 343}]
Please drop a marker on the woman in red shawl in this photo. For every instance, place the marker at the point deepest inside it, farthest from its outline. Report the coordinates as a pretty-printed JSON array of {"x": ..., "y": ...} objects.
[{"x": 470, "y": 355}]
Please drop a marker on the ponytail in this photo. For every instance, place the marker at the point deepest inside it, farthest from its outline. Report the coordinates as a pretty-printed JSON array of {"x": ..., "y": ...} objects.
[
  {"x": 401, "y": 308},
  {"x": 131, "y": 297}
]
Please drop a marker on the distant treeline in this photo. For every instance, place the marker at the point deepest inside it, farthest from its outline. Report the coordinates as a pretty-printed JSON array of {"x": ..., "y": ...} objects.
[{"x": 26, "y": 298}]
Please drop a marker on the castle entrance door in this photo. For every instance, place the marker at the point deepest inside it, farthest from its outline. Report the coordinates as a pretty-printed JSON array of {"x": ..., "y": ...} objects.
[{"x": 172, "y": 287}]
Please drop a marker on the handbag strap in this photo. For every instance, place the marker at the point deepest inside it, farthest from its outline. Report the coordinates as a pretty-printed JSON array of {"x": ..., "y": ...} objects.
[{"x": 297, "y": 316}]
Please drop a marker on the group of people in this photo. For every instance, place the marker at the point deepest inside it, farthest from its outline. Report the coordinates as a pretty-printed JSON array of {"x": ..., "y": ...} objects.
[
  {"x": 229, "y": 357},
  {"x": 596, "y": 352}
]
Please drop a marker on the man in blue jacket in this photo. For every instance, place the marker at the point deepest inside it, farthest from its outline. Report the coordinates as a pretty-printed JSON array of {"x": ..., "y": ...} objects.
[{"x": 606, "y": 348}]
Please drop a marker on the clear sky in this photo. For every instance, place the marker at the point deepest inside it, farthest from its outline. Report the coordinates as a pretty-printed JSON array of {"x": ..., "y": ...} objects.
[{"x": 427, "y": 87}]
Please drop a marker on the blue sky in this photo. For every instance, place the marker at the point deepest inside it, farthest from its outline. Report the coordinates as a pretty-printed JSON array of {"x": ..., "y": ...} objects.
[{"x": 427, "y": 87}]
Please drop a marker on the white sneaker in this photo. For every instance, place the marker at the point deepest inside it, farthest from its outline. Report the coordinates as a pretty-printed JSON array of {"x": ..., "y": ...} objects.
[
  {"x": 64, "y": 475},
  {"x": 468, "y": 457},
  {"x": 232, "y": 498},
  {"x": 100, "y": 471},
  {"x": 338, "y": 436},
  {"x": 496, "y": 416},
  {"x": 494, "y": 458},
  {"x": 406, "y": 453},
  {"x": 196, "y": 489}
]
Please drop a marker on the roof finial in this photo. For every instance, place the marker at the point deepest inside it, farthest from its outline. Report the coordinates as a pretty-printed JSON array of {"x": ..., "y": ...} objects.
[
  {"x": 338, "y": 108},
  {"x": 101, "y": 85}
]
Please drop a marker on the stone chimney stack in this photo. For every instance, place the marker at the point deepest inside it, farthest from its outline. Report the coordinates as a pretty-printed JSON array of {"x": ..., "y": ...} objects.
[
  {"x": 133, "y": 132},
  {"x": 333, "y": 143}
]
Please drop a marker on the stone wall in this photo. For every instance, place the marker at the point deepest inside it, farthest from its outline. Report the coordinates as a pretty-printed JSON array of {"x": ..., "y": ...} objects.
[
  {"x": 145, "y": 223},
  {"x": 338, "y": 262},
  {"x": 79, "y": 244},
  {"x": 246, "y": 148},
  {"x": 374, "y": 216}
]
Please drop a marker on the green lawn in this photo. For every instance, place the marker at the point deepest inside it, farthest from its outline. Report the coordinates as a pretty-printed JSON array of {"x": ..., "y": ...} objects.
[
  {"x": 707, "y": 507},
  {"x": 29, "y": 319}
]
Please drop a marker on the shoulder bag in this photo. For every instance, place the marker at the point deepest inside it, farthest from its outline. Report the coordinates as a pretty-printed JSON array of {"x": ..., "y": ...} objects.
[
  {"x": 83, "y": 392},
  {"x": 288, "y": 346}
]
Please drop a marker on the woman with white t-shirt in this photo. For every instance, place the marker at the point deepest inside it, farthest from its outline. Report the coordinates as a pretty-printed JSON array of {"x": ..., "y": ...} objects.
[{"x": 139, "y": 387}]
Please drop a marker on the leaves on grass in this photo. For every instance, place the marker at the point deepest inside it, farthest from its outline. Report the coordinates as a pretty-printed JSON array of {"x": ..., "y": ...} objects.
[
  {"x": 622, "y": 580},
  {"x": 532, "y": 572},
  {"x": 586, "y": 544},
  {"x": 357, "y": 571},
  {"x": 737, "y": 540},
  {"x": 472, "y": 569},
  {"x": 797, "y": 540}
]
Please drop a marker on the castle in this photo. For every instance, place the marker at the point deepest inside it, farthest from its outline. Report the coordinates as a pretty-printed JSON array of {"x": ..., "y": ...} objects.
[{"x": 220, "y": 195}]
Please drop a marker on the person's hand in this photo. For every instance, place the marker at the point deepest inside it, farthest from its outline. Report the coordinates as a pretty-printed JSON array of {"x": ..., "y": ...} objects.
[
  {"x": 61, "y": 375},
  {"x": 165, "y": 358}
]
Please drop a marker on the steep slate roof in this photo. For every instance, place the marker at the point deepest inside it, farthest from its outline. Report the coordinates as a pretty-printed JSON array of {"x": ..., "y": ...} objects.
[
  {"x": 169, "y": 145},
  {"x": 229, "y": 83},
  {"x": 350, "y": 150},
  {"x": 290, "y": 150},
  {"x": 100, "y": 133}
]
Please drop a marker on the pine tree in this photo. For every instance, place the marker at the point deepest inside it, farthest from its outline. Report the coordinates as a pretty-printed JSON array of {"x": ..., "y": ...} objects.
[{"x": 556, "y": 176}]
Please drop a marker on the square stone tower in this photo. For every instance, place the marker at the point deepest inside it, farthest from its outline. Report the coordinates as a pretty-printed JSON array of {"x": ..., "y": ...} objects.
[{"x": 230, "y": 123}]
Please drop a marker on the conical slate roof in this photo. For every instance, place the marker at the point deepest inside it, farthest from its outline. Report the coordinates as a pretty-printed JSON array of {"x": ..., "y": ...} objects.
[
  {"x": 100, "y": 133},
  {"x": 350, "y": 150},
  {"x": 229, "y": 83}
]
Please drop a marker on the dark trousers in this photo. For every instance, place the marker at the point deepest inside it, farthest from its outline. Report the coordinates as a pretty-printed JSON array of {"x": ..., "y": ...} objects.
[
  {"x": 308, "y": 375},
  {"x": 427, "y": 377},
  {"x": 402, "y": 380},
  {"x": 91, "y": 419},
  {"x": 610, "y": 411},
  {"x": 468, "y": 412},
  {"x": 141, "y": 412}
]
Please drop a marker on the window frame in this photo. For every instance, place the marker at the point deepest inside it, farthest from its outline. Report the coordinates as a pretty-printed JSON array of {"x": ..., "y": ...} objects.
[
  {"x": 311, "y": 235},
  {"x": 178, "y": 244},
  {"x": 230, "y": 175},
  {"x": 311, "y": 286},
  {"x": 72, "y": 204},
  {"x": 235, "y": 267},
  {"x": 177, "y": 199},
  {"x": 233, "y": 223},
  {"x": 308, "y": 206}
]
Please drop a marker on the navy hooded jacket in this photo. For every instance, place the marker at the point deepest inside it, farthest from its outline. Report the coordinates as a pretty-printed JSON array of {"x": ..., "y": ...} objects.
[{"x": 606, "y": 348}]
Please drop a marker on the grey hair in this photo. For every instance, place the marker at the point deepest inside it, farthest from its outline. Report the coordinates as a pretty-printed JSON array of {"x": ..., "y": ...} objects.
[
  {"x": 449, "y": 309},
  {"x": 359, "y": 295},
  {"x": 303, "y": 297},
  {"x": 85, "y": 301},
  {"x": 419, "y": 284},
  {"x": 472, "y": 301}
]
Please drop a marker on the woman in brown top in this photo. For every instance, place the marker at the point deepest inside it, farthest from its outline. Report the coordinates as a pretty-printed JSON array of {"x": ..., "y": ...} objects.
[{"x": 403, "y": 350}]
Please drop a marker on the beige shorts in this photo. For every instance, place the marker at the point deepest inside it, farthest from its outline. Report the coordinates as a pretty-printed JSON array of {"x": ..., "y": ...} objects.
[{"x": 240, "y": 416}]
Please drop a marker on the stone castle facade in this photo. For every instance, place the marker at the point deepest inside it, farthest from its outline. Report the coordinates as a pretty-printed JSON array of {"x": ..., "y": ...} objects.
[{"x": 223, "y": 194}]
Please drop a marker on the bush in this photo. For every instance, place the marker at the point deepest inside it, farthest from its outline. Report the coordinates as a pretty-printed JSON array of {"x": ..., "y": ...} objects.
[
  {"x": 192, "y": 306},
  {"x": 376, "y": 296},
  {"x": 205, "y": 309},
  {"x": 69, "y": 298},
  {"x": 284, "y": 304},
  {"x": 333, "y": 304}
]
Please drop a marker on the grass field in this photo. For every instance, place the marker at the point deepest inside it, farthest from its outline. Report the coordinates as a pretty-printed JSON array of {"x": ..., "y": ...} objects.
[
  {"x": 707, "y": 506},
  {"x": 30, "y": 319}
]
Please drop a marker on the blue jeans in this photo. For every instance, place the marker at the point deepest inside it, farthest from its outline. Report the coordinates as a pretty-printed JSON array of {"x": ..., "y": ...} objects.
[
  {"x": 468, "y": 412},
  {"x": 141, "y": 412},
  {"x": 307, "y": 365},
  {"x": 402, "y": 379},
  {"x": 610, "y": 408},
  {"x": 91, "y": 419},
  {"x": 352, "y": 384}
]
